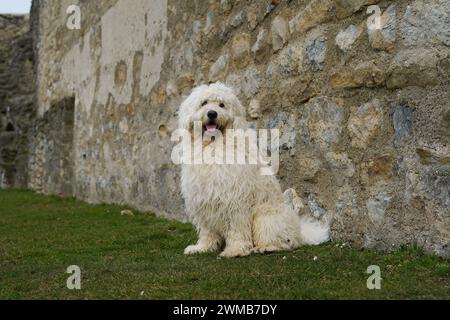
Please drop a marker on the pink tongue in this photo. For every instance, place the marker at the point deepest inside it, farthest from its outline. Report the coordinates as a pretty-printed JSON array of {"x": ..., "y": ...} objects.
[{"x": 211, "y": 127}]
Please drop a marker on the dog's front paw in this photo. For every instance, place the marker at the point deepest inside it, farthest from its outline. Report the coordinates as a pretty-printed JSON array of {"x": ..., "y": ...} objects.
[
  {"x": 194, "y": 249},
  {"x": 235, "y": 251},
  {"x": 265, "y": 249}
]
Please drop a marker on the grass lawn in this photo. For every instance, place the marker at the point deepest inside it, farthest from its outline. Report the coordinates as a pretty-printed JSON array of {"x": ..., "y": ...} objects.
[{"x": 141, "y": 257}]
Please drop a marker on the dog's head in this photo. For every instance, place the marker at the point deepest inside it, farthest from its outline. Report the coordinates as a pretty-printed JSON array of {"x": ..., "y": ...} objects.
[{"x": 215, "y": 106}]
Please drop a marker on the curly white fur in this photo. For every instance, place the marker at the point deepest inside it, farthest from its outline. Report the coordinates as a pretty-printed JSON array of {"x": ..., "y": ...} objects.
[{"x": 233, "y": 206}]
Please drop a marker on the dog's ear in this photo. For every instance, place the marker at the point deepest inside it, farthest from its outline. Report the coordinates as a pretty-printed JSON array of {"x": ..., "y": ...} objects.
[
  {"x": 187, "y": 108},
  {"x": 184, "y": 121},
  {"x": 185, "y": 113}
]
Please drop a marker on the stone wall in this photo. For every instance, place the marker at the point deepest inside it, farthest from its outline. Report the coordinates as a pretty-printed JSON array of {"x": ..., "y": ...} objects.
[
  {"x": 52, "y": 159},
  {"x": 364, "y": 112},
  {"x": 16, "y": 99}
]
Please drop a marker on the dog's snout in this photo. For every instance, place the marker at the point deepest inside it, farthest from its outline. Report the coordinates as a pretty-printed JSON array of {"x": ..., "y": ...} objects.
[{"x": 212, "y": 115}]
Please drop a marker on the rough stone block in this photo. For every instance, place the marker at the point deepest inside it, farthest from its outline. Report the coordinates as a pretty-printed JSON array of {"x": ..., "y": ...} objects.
[
  {"x": 321, "y": 122},
  {"x": 280, "y": 33},
  {"x": 345, "y": 8},
  {"x": 365, "y": 123},
  {"x": 383, "y": 37},
  {"x": 315, "y": 13},
  {"x": 414, "y": 67},
  {"x": 346, "y": 38},
  {"x": 402, "y": 119},
  {"x": 426, "y": 23},
  {"x": 240, "y": 50},
  {"x": 316, "y": 53}
]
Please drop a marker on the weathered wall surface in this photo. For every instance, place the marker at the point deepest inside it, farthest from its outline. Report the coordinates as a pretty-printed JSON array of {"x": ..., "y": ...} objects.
[
  {"x": 52, "y": 141},
  {"x": 16, "y": 99},
  {"x": 364, "y": 113}
]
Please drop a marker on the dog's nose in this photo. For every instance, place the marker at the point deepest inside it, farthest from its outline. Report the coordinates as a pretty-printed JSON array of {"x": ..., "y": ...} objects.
[{"x": 212, "y": 115}]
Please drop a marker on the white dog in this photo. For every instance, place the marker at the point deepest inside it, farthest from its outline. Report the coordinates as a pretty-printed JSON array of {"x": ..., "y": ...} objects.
[{"x": 233, "y": 206}]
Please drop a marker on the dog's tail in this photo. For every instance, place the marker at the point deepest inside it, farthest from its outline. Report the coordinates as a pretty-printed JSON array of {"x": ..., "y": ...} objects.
[{"x": 313, "y": 231}]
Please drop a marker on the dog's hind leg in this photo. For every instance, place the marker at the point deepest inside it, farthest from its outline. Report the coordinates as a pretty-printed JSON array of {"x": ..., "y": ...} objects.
[
  {"x": 207, "y": 242},
  {"x": 275, "y": 229}
]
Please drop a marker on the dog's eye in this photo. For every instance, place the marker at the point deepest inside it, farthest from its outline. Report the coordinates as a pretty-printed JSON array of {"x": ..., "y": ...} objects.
[
  {"x": 222, "y": 105},
  {"x": 204, "y": 103}
]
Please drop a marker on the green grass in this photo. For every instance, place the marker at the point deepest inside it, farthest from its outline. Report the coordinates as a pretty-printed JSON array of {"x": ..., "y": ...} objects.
[{"x": 122, "y": 256}]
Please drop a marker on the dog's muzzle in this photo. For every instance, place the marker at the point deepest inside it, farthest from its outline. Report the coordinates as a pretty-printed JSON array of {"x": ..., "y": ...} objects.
[{"x": 211, "y": 125}]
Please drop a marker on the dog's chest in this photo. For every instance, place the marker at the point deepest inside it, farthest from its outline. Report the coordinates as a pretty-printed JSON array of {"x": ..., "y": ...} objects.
[{"x": 218, "y": 183}]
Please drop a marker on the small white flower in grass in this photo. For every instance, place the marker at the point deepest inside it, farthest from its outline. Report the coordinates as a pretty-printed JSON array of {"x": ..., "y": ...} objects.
[
  {"x": 127, "y": 213},
  {"x": 142, "y": 293},
  {"x": 315, "y": 258},
  {"x": 284, "y": 258}
]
